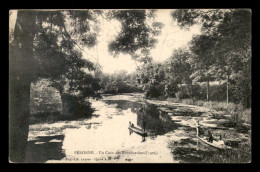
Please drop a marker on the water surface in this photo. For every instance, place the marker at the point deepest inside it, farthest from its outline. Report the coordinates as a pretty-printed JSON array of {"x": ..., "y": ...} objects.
[{"x": 106, "y": 138}]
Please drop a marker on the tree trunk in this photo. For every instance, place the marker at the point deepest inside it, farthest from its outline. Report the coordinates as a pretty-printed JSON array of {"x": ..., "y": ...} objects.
[
  {"x": 20, "y": 75},
  {"x": 207, "y": 89},
  {"x": 227, "y": 88},
  {"x": 64, "y": 102}
]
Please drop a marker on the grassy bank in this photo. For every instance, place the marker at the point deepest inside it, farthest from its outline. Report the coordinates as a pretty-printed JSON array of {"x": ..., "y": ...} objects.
[
  {"x": 241, "y": 154},
  {"x": 237, "y": 114},
  {"x": 238, "y": 117}
]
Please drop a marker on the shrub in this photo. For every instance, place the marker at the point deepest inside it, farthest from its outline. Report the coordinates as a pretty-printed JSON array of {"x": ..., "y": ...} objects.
[
  {"x": 238, "y": 115},
  {"x": 82, "y": 109},
  {"x": 76, "y": 106}
]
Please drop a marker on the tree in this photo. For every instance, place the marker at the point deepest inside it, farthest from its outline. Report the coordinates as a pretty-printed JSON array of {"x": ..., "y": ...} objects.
[
  {"x": 152, "y": 78},
  {"x": 118, "y": 82},
  {"x": 234, "y": 52},
  {"x": 203, "y": 60},
  {"x": 137, "y": 36},
  {"x": 178, "y": 70},
  {"x": 229, "y": 32},
  {"x": 43, "y": 47},
  {"x": 20, "y": 77}
]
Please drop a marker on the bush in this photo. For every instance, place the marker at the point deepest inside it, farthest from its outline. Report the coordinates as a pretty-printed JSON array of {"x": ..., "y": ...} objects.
[
  {"x": 239, "y": 115},
  {"x": 76, "y": 106},
  {"x": 82, "y": 109}
]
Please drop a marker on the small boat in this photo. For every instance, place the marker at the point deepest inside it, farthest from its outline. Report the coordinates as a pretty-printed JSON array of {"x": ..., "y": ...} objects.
[
  {"x": 137, "y": 130},
  {"x": 216, "y": 144}
]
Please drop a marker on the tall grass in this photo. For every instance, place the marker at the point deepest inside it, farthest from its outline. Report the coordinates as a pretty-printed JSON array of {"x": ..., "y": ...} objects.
[
  {"x": 236, "y": 112},
  {"x": 242, "y": 154}
]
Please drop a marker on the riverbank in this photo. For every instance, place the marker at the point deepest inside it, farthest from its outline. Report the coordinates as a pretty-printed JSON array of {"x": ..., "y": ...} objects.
[
  {"x": 239, "y": 119},
  {"x": 171, "y": 127},
  {"x": 233, "y": 122},
  {"x": 237, "y": 113}
]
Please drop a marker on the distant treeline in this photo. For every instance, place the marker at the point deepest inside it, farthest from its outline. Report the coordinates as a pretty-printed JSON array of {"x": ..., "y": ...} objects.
[
  {"x": 118, "y": 82},
  {"x": 180, "y": 77},
  {"x": 121, "y": 82}
]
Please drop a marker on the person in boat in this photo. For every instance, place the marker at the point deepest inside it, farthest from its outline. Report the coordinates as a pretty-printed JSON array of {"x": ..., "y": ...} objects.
[
  {"x": 131, "y": 124},
  {"x": 198, "y": 126},
  {"x": 143, "y": 124},
  {"x": 210, "y": 136}
]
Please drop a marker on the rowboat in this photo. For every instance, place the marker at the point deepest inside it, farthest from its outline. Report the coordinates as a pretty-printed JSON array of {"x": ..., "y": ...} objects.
[
  {"x": 137, "y": 130},
  {"x": 216, "y": 144}
]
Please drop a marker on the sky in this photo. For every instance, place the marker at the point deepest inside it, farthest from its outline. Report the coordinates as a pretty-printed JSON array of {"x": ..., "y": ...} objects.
[{"x": 172, "y": 37}]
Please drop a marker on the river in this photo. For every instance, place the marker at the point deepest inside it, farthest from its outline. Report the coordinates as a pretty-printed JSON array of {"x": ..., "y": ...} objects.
[{"x": 105, "y": 137}]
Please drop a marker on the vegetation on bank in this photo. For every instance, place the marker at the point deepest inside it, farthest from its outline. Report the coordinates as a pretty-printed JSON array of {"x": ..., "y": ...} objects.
[
  {"x": 236, "y": 113},
  {"x": 241, "y": 154},
  {"x": 52, "y": 117}
]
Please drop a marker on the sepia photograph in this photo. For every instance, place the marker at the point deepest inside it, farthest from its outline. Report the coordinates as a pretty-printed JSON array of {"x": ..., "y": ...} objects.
[{"x": 130, "y": 86}]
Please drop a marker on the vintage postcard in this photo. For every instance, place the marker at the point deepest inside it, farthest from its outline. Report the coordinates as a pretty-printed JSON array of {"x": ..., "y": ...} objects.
[{"x": 130, "y": 86}]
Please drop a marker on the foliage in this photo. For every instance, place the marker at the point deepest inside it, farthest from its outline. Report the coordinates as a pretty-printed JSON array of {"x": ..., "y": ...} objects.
[
  {"x": 118, "y": 82},
  {"x": 57, "y": 42},
  {"x": 57, "y": 50},
  {"x": 152, "y": 78},
  {"x": 77, "y": 106},
  {"x": 223, "y": 50},
  {"x": 137, "y": 36},
  {"x": 166, "y": 79},
  {"x": 58, "y": 53}
]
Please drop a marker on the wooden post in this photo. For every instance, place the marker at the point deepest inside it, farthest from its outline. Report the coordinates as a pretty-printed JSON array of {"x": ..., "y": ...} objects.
[
  {"x": 198, "y": 127},
  {"x": 227, "y": 88},
  {"x": 207, "y": 89}
]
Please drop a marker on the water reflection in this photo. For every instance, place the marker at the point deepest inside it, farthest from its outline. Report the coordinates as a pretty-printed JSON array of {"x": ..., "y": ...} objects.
[
  {"x": 157, "y": 122},
  {"x": 143, "y": 137}
]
